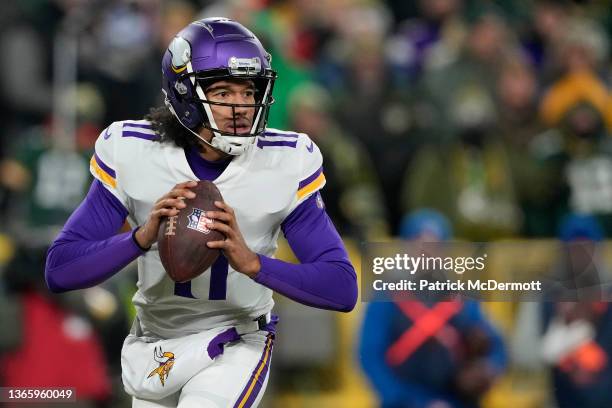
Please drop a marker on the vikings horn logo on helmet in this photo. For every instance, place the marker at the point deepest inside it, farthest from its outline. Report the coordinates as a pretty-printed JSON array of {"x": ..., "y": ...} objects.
[{"x": 180, "y": 50}]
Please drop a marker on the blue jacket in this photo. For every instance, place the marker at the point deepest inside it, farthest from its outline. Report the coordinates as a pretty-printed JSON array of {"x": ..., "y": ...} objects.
[{"x": 428, "y": 373}]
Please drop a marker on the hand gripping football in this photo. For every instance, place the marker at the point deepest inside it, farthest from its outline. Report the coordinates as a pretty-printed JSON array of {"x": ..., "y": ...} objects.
[{"x": 182, "y": 238}]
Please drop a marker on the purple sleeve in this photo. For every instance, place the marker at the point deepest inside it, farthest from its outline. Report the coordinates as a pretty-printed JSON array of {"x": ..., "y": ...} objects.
[
  {"x": 325, "y": 278},
  {"x": 88, "y": 251}
]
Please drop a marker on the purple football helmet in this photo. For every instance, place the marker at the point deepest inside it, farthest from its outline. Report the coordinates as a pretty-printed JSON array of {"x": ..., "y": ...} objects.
[{"x": 209, "y": 50}]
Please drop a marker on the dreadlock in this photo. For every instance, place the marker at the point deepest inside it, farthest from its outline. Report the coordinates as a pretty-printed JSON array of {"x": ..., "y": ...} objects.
[{"x": 170, "y": 130}]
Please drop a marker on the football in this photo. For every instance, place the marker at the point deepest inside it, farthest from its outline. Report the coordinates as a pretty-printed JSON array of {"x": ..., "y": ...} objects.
[{"x": 182, "y": 238}]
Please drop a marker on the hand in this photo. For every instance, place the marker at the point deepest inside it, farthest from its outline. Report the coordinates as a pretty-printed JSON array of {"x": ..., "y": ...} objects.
[
  {"x": 167, "y": 206},
  {"x": 575, "y": 311},
  {"x": 235, "y": 249},
  {"x": 474, "y": 378}
]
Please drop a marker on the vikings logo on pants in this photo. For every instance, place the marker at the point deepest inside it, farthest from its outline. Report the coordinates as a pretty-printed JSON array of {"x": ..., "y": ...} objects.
[
  {"x": 164, "y": 366},
  {"x": 246, "y": 352}
]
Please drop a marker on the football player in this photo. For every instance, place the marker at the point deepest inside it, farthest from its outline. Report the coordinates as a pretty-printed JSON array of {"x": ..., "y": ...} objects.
[{"x": 207, "y": 342}]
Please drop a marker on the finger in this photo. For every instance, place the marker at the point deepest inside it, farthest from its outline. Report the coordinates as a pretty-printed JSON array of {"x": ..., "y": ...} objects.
[
  {"x": 219, "y": 215},
  {"x": 165, "y": 212},
  {"x": 171, "y": 203},
  {"x": 181, "y": 192},
  {"x": 177, "y": 193},
  {"x": 224, "y": 207},
  {"x": 222, "y": 227},
  {"x": 184, "y": 184},
  {"x": 217, "y": 244}
]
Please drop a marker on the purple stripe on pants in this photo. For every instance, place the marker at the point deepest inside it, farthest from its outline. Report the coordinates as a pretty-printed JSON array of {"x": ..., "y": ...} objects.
[{"x": 258, "y": 377}]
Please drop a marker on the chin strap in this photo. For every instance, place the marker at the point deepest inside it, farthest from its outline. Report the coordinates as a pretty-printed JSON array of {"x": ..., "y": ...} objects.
[{"x": 233, "y": 145}]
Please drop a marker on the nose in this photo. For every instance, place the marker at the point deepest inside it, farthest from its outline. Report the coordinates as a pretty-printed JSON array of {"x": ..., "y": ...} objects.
[{"x": 242, "y": 100}]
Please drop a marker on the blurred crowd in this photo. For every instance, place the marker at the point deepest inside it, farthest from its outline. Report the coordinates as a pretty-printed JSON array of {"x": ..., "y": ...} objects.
[{"x": 496, "y": 114}]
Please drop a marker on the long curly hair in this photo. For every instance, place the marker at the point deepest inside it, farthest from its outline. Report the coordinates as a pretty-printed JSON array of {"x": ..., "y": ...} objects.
[{"x": 170, "y": 130}]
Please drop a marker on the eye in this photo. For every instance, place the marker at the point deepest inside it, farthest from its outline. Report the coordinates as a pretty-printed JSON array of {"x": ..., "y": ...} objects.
[{"x": 223, "y": 94}]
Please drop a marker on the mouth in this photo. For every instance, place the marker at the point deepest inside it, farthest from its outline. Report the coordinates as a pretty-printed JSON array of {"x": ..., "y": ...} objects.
[{"x": 242, "y": 127}]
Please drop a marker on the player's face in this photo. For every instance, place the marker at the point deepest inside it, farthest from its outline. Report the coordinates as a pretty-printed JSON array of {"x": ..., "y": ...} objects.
[{"x": 232, "y": 120}]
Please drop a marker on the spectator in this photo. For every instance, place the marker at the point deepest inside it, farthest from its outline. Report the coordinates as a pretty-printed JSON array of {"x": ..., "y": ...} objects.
[
  {"x": 577, "y": 155},
  {"x": 353, "y": 197},
  {"x": 518, "y": 125},
  {"x": 539, "y": 39},
  {"x": 371, "y": 105},
  {"x": 469, "y": 180},
  {"x": 575, "y": 323},
  {"x": 46, "y": 179},
  {"x": 580, "y": 53},
  {"x": 472, "y": 72},
  {"x": 452, "y": 365},
  {"x": 435, "y": 37},
  {"x": 123, "y": 35}
]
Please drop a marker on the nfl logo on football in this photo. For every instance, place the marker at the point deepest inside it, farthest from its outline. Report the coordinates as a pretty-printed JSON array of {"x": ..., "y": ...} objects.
[{"x": 197, "y": 221}]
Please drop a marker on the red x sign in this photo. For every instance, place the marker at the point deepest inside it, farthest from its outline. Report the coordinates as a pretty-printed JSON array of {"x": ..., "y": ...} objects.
[{"x": 427, "y": 323}]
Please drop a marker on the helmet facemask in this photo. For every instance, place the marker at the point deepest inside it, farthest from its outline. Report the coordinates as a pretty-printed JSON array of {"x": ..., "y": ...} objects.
[{"x": 232, "y": 142}]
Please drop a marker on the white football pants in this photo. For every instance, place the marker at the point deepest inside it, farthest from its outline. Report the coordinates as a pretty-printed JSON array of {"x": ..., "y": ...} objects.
[{"x": 237, "y": 378}]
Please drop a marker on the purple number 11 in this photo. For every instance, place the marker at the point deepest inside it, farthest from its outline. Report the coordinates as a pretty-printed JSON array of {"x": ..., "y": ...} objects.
[{"x": 218, "y": 282}]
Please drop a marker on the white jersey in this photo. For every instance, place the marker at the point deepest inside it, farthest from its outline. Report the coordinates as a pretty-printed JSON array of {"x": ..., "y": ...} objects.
[{"x": 263, "y": 185}]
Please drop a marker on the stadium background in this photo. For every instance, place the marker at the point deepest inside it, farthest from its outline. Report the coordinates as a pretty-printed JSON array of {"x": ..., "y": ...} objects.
[{"x": 496, "y": 113}]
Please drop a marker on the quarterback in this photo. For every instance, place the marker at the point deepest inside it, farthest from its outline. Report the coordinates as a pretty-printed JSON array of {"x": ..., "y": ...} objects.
[{"x": 207, "y": 342}]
